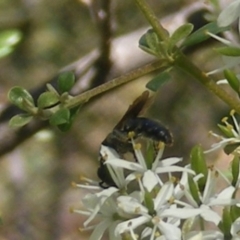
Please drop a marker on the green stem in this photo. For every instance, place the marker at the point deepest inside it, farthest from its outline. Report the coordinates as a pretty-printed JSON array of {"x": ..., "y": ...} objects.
[
  {"x": 185, "y": 64},
  {"x": 157, "y": 27},
  {"x": 152, "y": 19},
  {"x": 139, "y": 72}
]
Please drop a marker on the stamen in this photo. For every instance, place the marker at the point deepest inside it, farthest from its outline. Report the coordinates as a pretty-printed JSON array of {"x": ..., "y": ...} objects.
[
  {"x": 161, "y": 145},
  {"x": 232, "y": 112},
  {"x": 137, "y": 146},
  {"x": 171, "y": 200},
  {"x": 131, "y": 134},
  {"x": 74, "y": 184},
  {"x": 173, "y": 179}
]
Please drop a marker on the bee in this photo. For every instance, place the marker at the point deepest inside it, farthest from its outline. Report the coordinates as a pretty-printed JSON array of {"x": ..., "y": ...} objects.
[{"x": 119, "y": 140}]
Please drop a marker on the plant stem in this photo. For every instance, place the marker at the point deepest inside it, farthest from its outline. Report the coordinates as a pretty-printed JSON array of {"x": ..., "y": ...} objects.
[
  {"x": 152, "y": 19},
  {"x": 182, "y": 62},
  {"x": 139, "y": 72}
]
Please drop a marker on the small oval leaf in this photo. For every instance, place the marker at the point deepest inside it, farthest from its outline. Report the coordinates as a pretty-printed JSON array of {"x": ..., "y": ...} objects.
[
  {"x": 47, "y": 99},
  {"x": 66, "y": 81},
  {"x": 158, "y": 81},
  {"x": 150, "y": 43},
  {"x": 200, "y": 35},
  {"x": 8, "y": 39},
  {"x": 20, "y": 120},
  {"x": 62, "y": 116},
  {"x": 229, "y": 51},
  {"x": 179, "y": 34},
  {"x": 19, "y": 96},
  {"x": 66, "y": 126},
  {"x": 232, "y": 80}
]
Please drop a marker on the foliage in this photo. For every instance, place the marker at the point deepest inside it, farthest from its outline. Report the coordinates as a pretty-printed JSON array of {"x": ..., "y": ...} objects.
[
  {"x": 8, "y": 39},
  {"x": 157, "y": 207},
  {"x": 50, "y": 105}
]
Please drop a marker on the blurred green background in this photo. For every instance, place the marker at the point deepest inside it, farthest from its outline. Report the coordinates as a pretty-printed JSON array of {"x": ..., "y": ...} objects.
[{"x": 35, "y": 186}]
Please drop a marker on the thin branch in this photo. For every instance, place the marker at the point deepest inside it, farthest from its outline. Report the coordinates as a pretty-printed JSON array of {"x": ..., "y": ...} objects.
[
  {"x": 137, "y": 73},
  {"x": 85, "y": 70},
  {"x": 185, "y": 64},
  {"x": 104, "y": 25}
]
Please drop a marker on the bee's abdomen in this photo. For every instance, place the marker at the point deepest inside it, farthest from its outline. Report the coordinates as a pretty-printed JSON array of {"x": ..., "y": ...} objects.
[{"x": 148, "y": 128}]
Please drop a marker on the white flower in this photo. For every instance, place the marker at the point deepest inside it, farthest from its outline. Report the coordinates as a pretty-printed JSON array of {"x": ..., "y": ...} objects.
[
  {"x": 209, "y": 199},
  {"x": 233, "y": 132},
  {"x": 149, "y": 174},
  {"x": 116, "y": 172},
  {"x": 164, "y": 217},
  {"x": 103, "y": 206},
  {"x": 154, "y": 208}
]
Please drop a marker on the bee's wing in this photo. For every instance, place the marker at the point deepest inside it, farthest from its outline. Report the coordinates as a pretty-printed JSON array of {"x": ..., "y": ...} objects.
[{"x": 134, "y": 109}]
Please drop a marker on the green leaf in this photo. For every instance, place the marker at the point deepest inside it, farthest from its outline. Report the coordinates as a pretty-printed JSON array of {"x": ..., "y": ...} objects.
[
  {"x": 201, "y": 34},
  {"x": 230, "y": 148},
  {"x": 149, "y": 42},
  {"x": 148, "y": 200},
  {"x": 66, "y": 126},
  {"x": 155, "y": 83},
  {"x": 21, "y": 98},
  {"x": 235, "y": 212},
  {"x": 225, "y": 224},
  {"x": 20, "y": 120},
  {"x": 179, "y": 34},
  {"x": 62, "y": 116},
  {"x": 8, "y": 39},
  {"x": 150, "y": 154},
  {"x": 229, "y": 51},
  {"x": 66, "y": 81},
  {"x": 232, "y": 80},
  {"x": 193, "y": 189},
  {"x": 198, "y": 164},
  {"x": 235, "y": 170},
  {"x": 47, "y": 99}
]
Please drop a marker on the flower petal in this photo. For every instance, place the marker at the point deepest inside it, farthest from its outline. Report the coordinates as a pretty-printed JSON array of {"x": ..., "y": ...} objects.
[
  {"x": 170, "y": 231},
  {"x": 132, "y": 223},
  {"x": 130, "y": 205},
  {"x": 99, "y": 230},
  {"x": 150, "y": 180},
  {"x": 209, "y": 215}
]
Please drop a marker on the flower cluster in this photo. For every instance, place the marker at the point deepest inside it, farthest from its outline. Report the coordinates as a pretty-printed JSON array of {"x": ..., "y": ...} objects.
[
  {"x": 149, "y": 202},
  {"x": 231, "y": 138}
]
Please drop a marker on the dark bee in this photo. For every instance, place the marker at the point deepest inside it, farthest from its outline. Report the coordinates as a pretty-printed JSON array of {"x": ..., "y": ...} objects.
[
  {"x": 130, "y": 122},
  {"x": 147, "y": 128}
]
